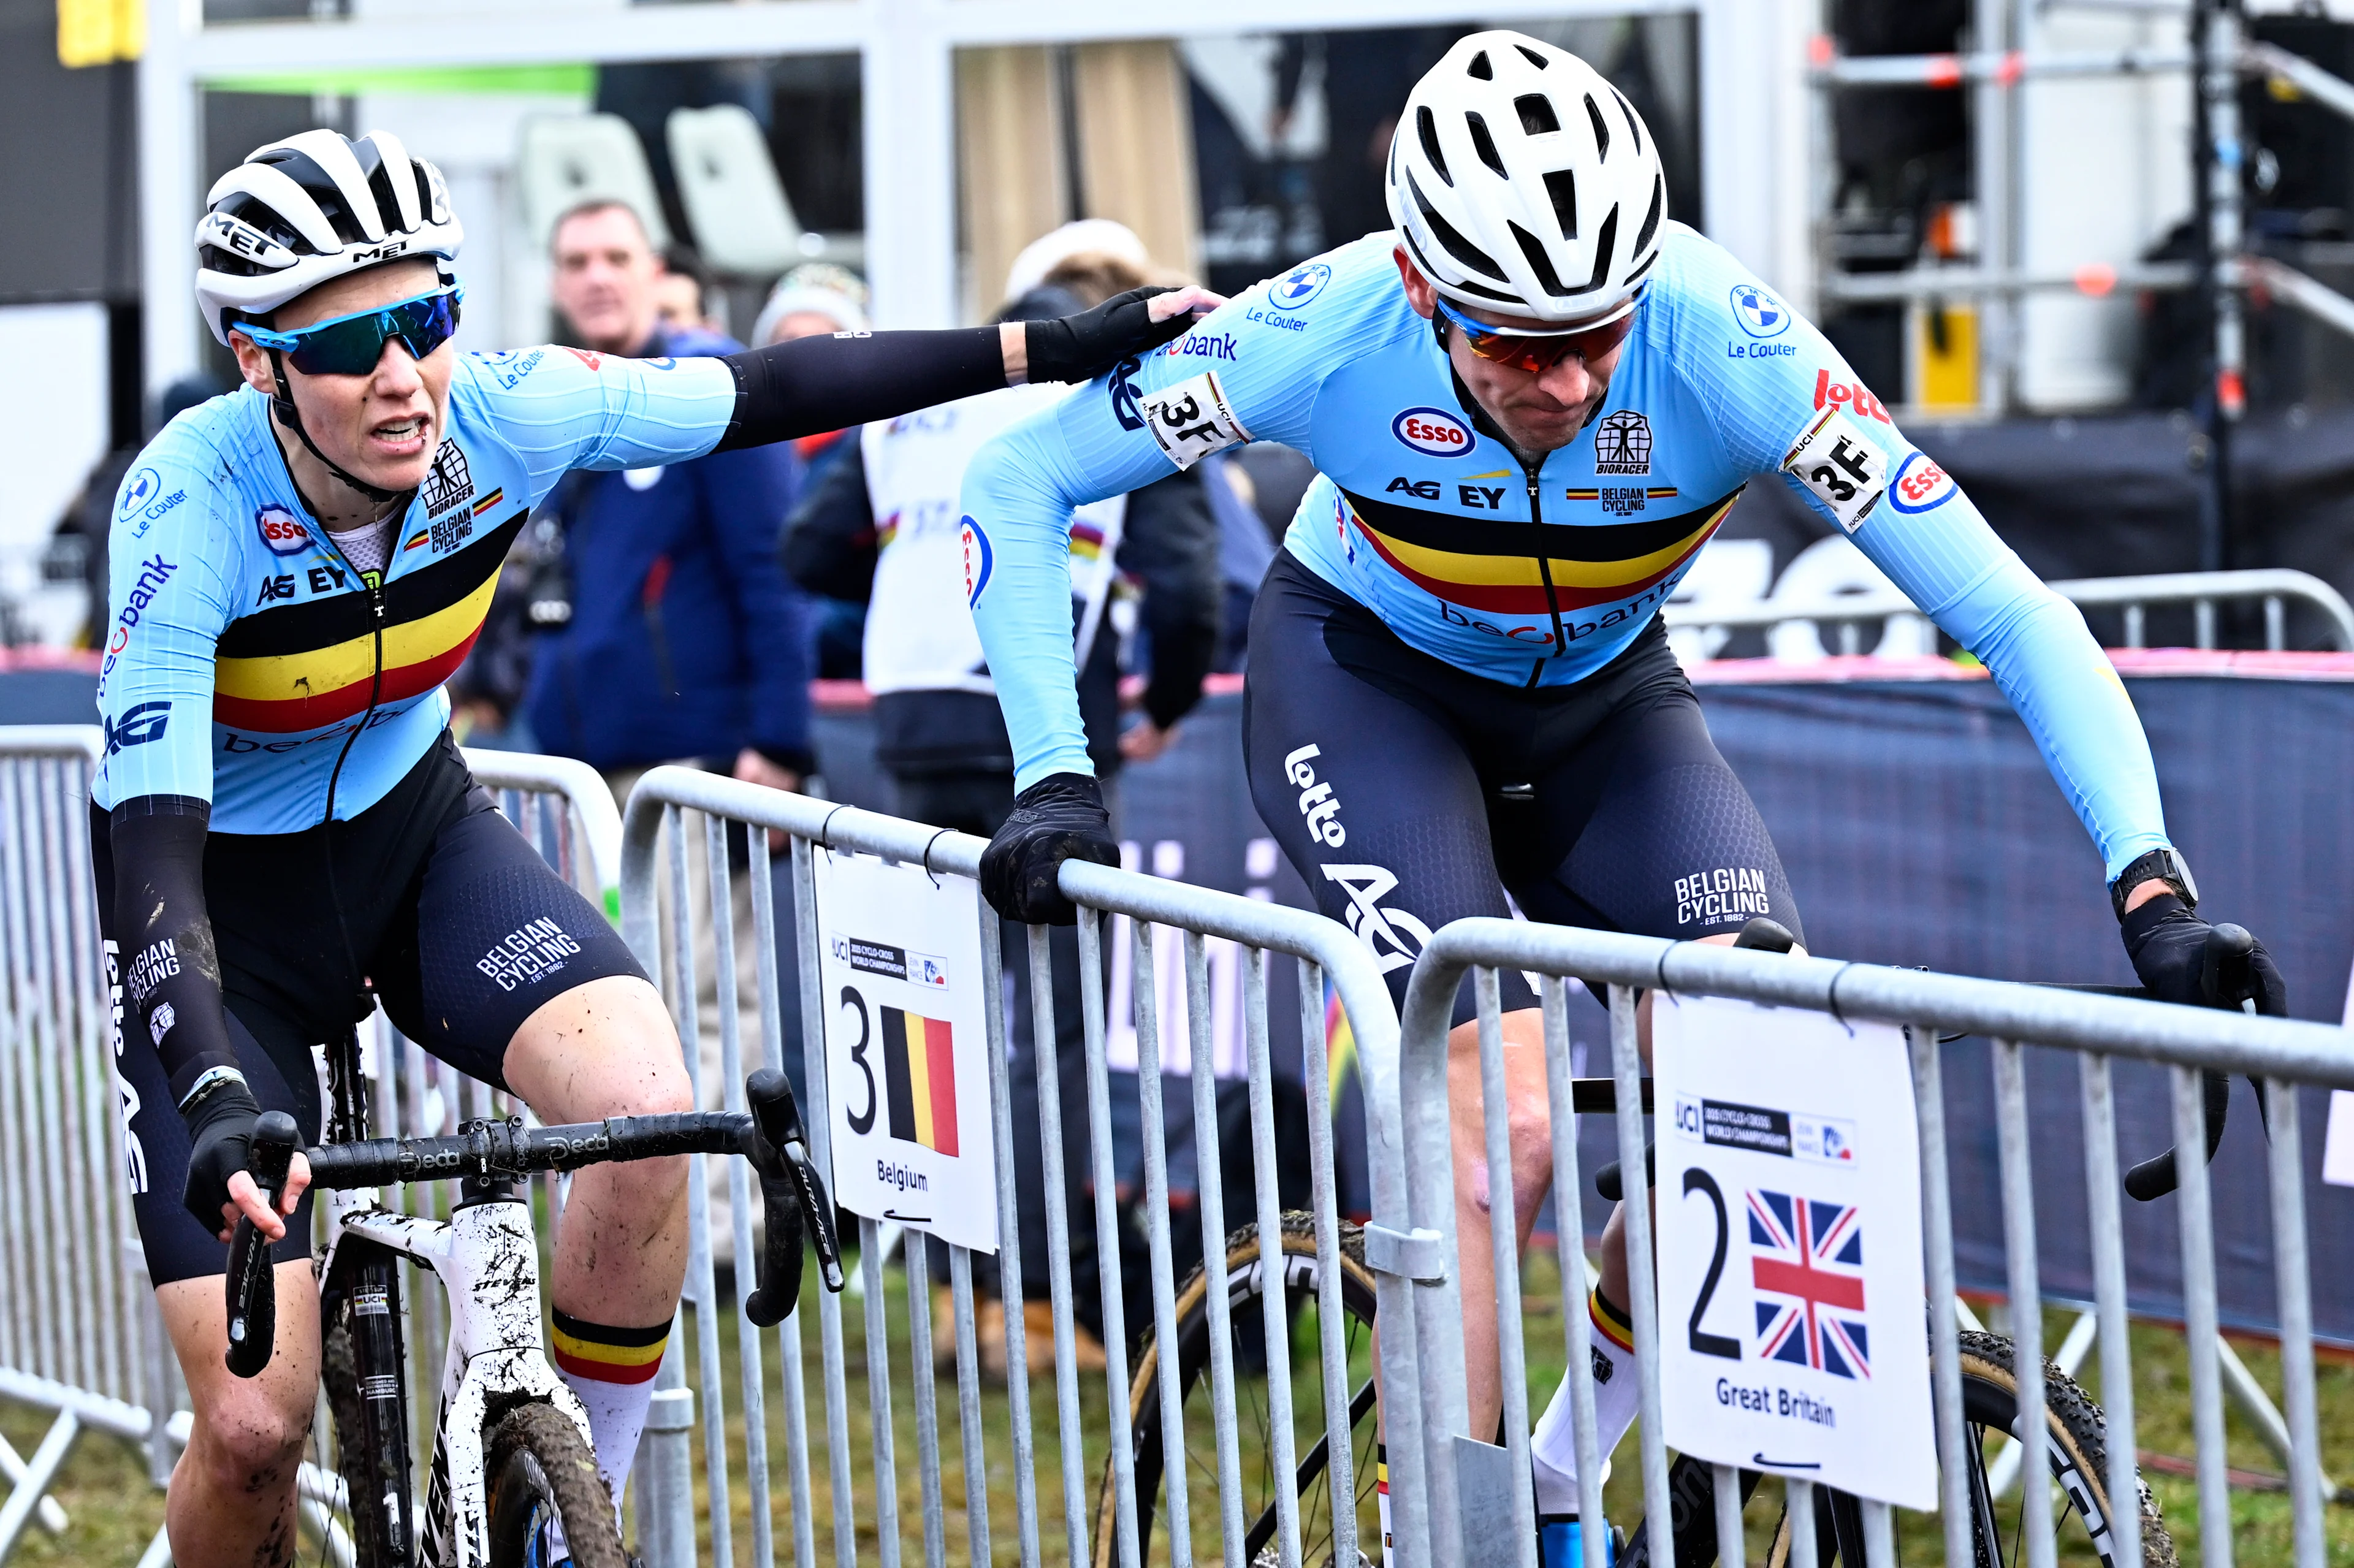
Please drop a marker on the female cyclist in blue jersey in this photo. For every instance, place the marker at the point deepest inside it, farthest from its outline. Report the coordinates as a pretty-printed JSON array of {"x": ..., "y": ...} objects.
[
  {"x": 1531, "y": 403},
  {"x": 284, "y": 832}
]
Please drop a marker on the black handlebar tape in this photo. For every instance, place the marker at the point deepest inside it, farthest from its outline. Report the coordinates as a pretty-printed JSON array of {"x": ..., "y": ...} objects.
[
  {"x": 2156, "y": 1178},
  {"x": 2227, "y": 976},
  {"x": 512, "y": 1150},
  {"x": 788, "y": 1183},
  {"x": 252, "y": 1287}
]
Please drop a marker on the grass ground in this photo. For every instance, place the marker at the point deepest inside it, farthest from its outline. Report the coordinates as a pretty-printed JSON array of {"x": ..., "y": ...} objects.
[{"x": 113, "y": 1511}]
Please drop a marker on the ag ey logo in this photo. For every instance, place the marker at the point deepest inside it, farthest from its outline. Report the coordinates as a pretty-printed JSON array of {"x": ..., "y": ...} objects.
[
  {"x": 140, "y": 726},
  {"x": 141, "y": 490},
  {"x": 1920, "y": 484},
  {"x": 1758, "y": 312},
  {"x": 1432, "y": 430},
  {"x": 282, "y": 530},
  {"x": 977, "y": 560},
  {"x": 1298, "y": 286}
]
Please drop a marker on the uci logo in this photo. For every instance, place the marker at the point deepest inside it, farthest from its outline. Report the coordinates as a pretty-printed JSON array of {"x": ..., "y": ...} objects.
[
  {"x": 1759, "y": 313},
  {"x": 1433, "y": 431},
  {"x": 282, "y": 530},
  {"x": 1298, "y": 286}
]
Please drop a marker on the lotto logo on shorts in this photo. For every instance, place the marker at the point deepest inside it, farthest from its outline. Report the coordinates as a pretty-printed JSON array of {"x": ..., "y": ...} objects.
[
  {"x": 528, "y": 952},
  {"x": 1317, "y": 804},
  {"x": 1725, "y": 894}
]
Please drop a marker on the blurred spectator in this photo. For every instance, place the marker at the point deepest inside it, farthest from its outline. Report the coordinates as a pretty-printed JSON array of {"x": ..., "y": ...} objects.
[
  {"x": 684, "y": 640},
  {"x": 882, "y": 526},
  {"x": 821, "y": 297},
  {"x": 686, "y": 294}
]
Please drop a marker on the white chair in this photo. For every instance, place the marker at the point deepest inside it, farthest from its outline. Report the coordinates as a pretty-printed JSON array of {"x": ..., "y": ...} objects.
[
  {"x": 743, "y": 223},
  {"x": 563, "y": 160}
]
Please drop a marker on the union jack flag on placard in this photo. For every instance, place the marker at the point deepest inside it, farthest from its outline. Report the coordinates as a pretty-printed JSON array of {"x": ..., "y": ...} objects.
[{"x": 1807, "y": 1262}]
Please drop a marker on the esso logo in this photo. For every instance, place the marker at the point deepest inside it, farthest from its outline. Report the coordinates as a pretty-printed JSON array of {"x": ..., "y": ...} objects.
[
  {"x": 977, "y": 560},
  {"x": 1920, "y": 485},
  {"x": 1433, "y": 432},
  {"x": 282, "y": 530}
]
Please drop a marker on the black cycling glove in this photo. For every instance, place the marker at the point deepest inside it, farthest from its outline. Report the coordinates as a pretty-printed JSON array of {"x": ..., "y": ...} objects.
[
  {"x": 1082, "y": 347},
  {"x": 220, "y": 1139},
  {"x": 1059, "y": 818},
  {"x": 2167, "y": 943}
]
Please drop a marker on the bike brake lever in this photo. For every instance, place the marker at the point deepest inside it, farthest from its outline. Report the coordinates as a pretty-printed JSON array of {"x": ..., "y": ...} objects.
[
  {"x": 252, "y": 1283},
  {"x": 2227, "y": 977},
  {"x": 793, "y": 1199}
]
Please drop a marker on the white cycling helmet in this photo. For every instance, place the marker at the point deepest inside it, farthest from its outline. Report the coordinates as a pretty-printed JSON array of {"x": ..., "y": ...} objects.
[
  {"x": 314, "y": 206},
  {"x": 1521, "y": 181}
]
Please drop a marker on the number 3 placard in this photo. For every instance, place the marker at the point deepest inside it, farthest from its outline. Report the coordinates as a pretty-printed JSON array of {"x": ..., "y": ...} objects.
[
  {"x": 1791, "y": 1337},
  {"x": 906, "y": 1049}
]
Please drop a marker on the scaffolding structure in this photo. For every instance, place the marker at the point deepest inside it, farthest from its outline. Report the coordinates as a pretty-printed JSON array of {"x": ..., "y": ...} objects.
[{"x": 2217, "y": 54}]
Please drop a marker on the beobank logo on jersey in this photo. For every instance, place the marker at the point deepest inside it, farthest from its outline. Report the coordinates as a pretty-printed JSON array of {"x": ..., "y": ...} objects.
[
  {"x": 1433, "y": 431},
  {"x": 282, "y": 530}
]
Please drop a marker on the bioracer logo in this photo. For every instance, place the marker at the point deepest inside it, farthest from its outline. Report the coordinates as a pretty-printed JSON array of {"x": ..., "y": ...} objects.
[{"x": 1433, "y": 431}]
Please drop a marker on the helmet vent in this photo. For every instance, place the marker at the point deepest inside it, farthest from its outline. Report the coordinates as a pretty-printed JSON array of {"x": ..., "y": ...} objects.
[
  {"x": 1634, "y": 123},
  {"x": 1452, "y": 240},
  {"x": 321, "y": 186},
  {"x": 1539, "y": 263},
  {"x": 1480, "y": 67},
  {"x": 1427, "y": 128},
  {"x": 1651, "y": 221},
  {"x": 1601, "y": 129},
  {"x": 1533, "y": 58},
  {"x": 1562, "y": 186},
  {"x": 1603, "y": 245},
  {"x": 1537, "y": 118},
  {"x": 1485, "y": 145}
]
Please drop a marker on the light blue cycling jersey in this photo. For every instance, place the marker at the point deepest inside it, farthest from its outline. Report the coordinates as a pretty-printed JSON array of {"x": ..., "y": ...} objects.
[
  {"x": 246, "y": 652},
  {"x": 1535, "y": 576}
]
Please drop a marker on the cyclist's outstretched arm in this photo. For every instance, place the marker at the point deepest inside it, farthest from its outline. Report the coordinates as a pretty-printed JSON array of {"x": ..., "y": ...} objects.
[{"x": 1805, "y": 415}]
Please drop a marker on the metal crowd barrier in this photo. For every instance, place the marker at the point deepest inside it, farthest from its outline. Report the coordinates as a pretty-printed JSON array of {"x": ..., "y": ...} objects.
[
  {"x": 2286, "y": 1055},
  {"x": 667, "y": 1516},
  {"x": 79, "y": 1334},
  {"x": 2275, "y": 588}
]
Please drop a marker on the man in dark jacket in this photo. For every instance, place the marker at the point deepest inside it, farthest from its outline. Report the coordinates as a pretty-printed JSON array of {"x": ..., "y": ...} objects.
[{"x": 684, "y": 640}]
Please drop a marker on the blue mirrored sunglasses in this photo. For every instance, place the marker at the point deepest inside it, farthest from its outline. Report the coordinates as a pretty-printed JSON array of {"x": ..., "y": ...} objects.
[{"x": 351, "y": 345}]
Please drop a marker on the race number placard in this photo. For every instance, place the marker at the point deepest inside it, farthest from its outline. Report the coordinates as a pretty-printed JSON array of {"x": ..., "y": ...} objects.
[
  {"x": 906, "y": 1065},
  {"x": 1791, "y": 1335}
]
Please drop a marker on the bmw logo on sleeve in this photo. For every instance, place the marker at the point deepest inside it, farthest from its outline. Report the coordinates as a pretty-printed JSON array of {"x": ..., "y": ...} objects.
[
  {"x": 1432, "y": 432},
  {"x": 977, "y": 560},
  {"x": 1298, "y": 286},
  {"x": 280, "y": 530},
  {"x": 1759, "y": 313},
  {"x": 139, "y": 491}
]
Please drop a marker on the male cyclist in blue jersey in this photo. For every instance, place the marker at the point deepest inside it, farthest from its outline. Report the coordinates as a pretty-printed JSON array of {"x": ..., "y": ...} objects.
[
  {"x": 284, "y": 832},
  {"x": 1531, "y": 403}
]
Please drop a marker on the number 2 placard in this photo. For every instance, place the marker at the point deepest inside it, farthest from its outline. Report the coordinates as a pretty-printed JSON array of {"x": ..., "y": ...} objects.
[
  {"x": 1791, "y": 1337},
  {"x": 906, "y": 1062}
]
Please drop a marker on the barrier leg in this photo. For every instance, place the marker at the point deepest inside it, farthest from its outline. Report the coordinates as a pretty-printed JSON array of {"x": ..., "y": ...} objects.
[
  {"x": 51, "y": 1516},
  {"x": 17, "y": 1511}
]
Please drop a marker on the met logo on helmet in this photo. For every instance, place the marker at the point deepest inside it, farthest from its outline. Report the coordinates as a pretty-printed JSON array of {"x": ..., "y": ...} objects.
[
  {"x": 1433, "y": 431},
  {"x": 280, "y": 530},
  {"x": 1298, "y": 286}
]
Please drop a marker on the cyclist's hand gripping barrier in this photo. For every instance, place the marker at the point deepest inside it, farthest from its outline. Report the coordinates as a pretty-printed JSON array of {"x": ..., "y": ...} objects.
[
  {"x": 1059, "y": 818},
  {"x": 252, "y": 1284},
  {"x": 1082, "y": 347},
  {"x": 2233, "y": 969},
  {"x": 1763, "y": 936},
  {"x": 793, "y": 1198}
]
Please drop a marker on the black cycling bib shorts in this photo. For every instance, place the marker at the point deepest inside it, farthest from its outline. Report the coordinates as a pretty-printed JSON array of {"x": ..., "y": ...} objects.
[
  {"x": 1408, "y": 793},
  {"x": 459, "y": 926}
]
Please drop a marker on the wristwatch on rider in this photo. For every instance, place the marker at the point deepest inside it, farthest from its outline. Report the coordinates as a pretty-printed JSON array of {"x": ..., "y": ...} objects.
[{"x": 2165, "y": 866}]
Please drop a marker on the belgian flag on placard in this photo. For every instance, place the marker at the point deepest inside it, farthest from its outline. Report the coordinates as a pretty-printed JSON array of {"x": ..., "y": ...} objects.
[{"x": 919, "y": 1079}]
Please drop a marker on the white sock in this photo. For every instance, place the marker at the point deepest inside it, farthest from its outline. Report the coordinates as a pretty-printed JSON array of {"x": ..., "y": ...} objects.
[
  {"x": 1552, "y": 1448},
  {"x": 612, "y": 1371}
]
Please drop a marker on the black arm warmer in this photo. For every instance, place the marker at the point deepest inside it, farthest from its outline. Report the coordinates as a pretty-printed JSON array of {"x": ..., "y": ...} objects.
[
  {"x": 170, "y": 974},
  {"x": 813, "y": 385}
]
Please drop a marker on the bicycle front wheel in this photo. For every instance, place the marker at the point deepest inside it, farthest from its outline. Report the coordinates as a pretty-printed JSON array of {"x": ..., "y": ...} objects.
[
  {"x": 543, "y": 1480},
  {"x": 1239, "y": 1275}
]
